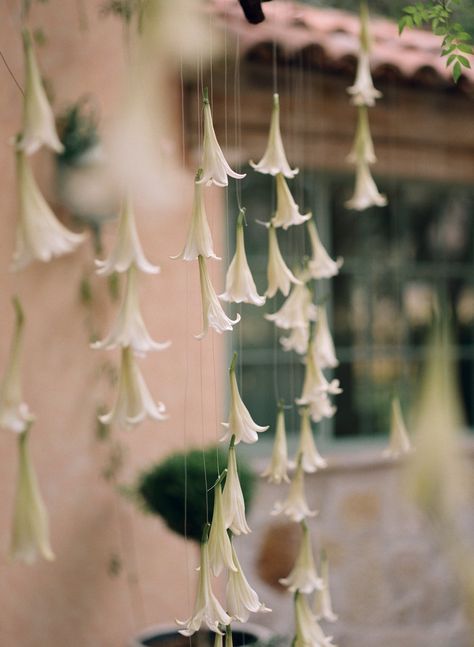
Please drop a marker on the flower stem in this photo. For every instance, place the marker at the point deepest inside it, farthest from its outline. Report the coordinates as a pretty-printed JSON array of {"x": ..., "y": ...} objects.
[{"x": 233, "y": 362}]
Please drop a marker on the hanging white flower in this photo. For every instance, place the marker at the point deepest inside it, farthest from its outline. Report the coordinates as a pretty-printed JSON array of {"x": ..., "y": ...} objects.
[
  {"x": 287, "y": 211},
  {"x": 321, "y": 265},
  {"x": 366, "y": 193},
  {"x": 277, "y": 471},
  {"x": 127, "y": 250},
  {"x": 295, "y": 506},
  {"x": 311, "y": 459},
  {"x": 322, "y": 597},
  {"x": 274, "y": 159},
  {"x": 239, "y": 283},
  {"x": 39, "y": 236},
  {"x": 308, "y": 631},
  {"x": 297, "y": 311},
  {"x": 321, "y": 407},
  {"x": 129, "y": 328},
  {"x": 303, "y": 576},
  {"x": 220, "y": 547},
  {"x": 241, "y": 598},
  {"x": 240, "y": 423},
  {"x": 324, "y": 352},
  {"x": 14, "y": 412},
  {"x": 133, "y": 402},
  {"x": 232, "y": 497},
  {"x": 199, "y": 239},
  {"x": 399, "y": 444},
  {"x": 30, "y": 532},
  {"x": 207, "y": 607},
  {"x": 297, "y": 340},
  {"x": 212, "y": 313},
  {"x": 38, "y": 127},
  {"x": 363, "y": 91},
  {"x": 215, "y": 168},
  {"x": 363, "y": 146},
  {"x": 279, "y": 276},
  {"x": 315, "y": 382}
]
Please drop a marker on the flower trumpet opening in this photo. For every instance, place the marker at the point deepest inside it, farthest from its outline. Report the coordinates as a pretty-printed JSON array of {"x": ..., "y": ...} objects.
[
  {"x": 287, "y": 211},
  {"x": 321, "y": 265},
  {"x": 295, "y": 506},
  {"x": 241, "y": 598},
  {"x": 240, "y": 423},
  {"x": 303, "y": 576},
  {"x": 366, "y": 193}
]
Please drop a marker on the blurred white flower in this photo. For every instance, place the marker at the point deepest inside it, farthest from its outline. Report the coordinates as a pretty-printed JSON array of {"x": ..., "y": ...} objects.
[
  {"x": 311, "y": 459},
  {"x": 322, "y": 597},
  {"x": 129, "y": 328},
  {"x": 308, "y": 631},
  {"x": 207, "y": 607},
  {"x": 232, "y": 497},
  {"x": 133, "y": 401},
  {"x": 323, "y": 346},
  {"x": 277, "y": 471},
  {"x": 297, "y": 340},
  {"x": 287, "y": 211},
  {"x": 199, "y": 239},
  {"x": 278, "y": 274},
  {"x": 30, "y": 532},
  {"x": 303, "y": 576},
  {"x": 220, "y": 547},
  {"x": 241, "y": 598},
  {"x": 363, "y": 147},
  {"x": 39, "y": 236},
  {"x": 315, "y": 382},
  {"x": 239, "y": 283},
  {"x": 321, "y": 407},
  {"x": 363, "y": 91},
  {"x": 399, "y": 443},
  {"x": 38, "y": 127},
  {"x": 295, "y": 506},
  {"x": 127, "y": 250},
  {"x": 240, "y": 423},
  {"x": 274, "y": 159},
  {"x": 215, "y": 168},
  {"x": 321, "y": 265},
  {"x": 297, "y": 311},
  {"x": 366, "y": 193},
  {"x": 14, "y": 412},
  {"x": 212, "y": 313}
]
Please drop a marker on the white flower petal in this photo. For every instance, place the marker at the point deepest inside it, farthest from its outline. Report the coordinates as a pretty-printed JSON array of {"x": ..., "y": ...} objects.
[
  {"x": 315, "y": 384},
  {"x": 241, "y": 598},
  {"x": 233, "y": 499},
  {"x": 366, "y": 193},
  {"x": 287, "y": 211},
  {"x": 363, "y": 146},
  {"x": 322, "y": 597},
  {"x": 277, "y": 471},
  {"x": 297, "y": 311},
  {"x": 399, "y": 444},
  {"x": 308, "y": 631},
  {"x": 363, "y": 91},
  {"x": 323, "y": 346},
  {"x": 295, "y": 506},
  {"x": 303, "y": 576},
  {"x": 321, "y": 265},
  {"x": 220, "y": 547},
  {"x": 240, "y": 423},
  {"x": 278, "y": 274},
  {"x": 212, "y": 313},
  {"x": 311, "y": 459},
  {"x": 297, "y": 340}
]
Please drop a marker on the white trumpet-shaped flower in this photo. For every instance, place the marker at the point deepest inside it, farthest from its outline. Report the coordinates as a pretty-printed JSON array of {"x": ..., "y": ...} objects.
[
  {"x": 315, "y": 382},
  {"x": 366, "y": 193},
  {"x": 322, "y": 597},
  {"x": 213, "y": 314},
  {"x": 295, "y": 506},
  {"x": 127, "y": 250},
  {"x": 220, "y": 547},
  {"x": 363, "y": 91},
  {"x": 232, "y": 497},
  {"x": 321, "y": 265},
  {"x": 277, "y": 471},
  {"x": 241, "y": 598},
  {"x": 133, "y": 401},
  {"x": 321, "y": 407},
  {"x": 240, "y": 423},
  {"x": 199, "y": 239},
  {"x": 215, "y": 168},
  {"x": 297, "y": 340},
  {"x": 207, "y": 607},
  {"x": 129, "y": 328},
  {"x": 303, "y": 576},
  {"x": 297, "y": 311},
  {"x": 39, "y": 236},
  {"x": 399, "y": 443},
  {"x": 323, "y": 349},
  {"x": 30, "y": 532},
  {"x": 287, "y": 211},
  {"x": 239, "y": 283},
  {"x": 274, "y": 159},
  {"x": 279, "y": 276},
  {"x": 14, "y": 412},
  {"x": 308, "y": 631},
  {"x": 38, "y": 127},
  {"x": 363, "y": 146},
  {"x": 311, "y": 459}
]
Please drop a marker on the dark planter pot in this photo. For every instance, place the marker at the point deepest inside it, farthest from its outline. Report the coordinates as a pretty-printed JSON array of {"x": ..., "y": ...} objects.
[{"x": 166, "y": 636}]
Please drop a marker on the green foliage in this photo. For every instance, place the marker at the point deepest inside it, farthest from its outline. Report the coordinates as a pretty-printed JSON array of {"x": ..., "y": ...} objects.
[
  {"x": 439, "y": 15},
  {"x": 78, "y": 130},
  {"x": 175, "y": 489}
]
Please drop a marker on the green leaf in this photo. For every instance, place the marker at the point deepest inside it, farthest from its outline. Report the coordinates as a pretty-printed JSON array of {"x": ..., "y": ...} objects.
[
  {"x": 467, "y": 49},
  {"x": 450, "y": 60},
  {"x": 464, "y": 61},
  {"x": 457, "y": 71}
]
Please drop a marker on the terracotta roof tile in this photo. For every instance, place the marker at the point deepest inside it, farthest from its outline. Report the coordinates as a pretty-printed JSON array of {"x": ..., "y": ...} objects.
[{"x": 415, "y": 55}]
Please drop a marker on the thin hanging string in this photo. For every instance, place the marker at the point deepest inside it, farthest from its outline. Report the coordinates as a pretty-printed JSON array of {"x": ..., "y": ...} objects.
[
  {"x": 204, "y": 466},
  {"x": 237, "y": 131},
  {"x": 226, "y": 136},
  {"x": 10, "y": 71}
]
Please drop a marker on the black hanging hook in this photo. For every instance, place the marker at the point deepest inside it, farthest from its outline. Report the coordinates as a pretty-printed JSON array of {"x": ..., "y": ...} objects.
[{"x": 253, "y": 10}]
